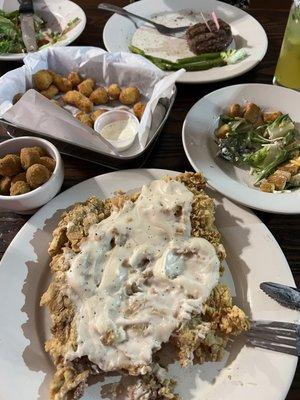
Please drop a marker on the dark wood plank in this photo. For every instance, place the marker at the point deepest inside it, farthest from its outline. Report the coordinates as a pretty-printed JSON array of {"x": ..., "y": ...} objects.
[{"x": 168, "y": 152}]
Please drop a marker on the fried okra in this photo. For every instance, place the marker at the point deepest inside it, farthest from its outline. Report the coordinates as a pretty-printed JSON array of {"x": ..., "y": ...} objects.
[
  {"x": 139, "y": 109},
  {"x": 17, "y": 97},
  {"x": 86, "y": 87},
  {"x": 40, "y": 150},
  {"x": 36, "y": 175},
  {"x": 48, "y": 162},
  {"x": 130, "y": 95},
  {"x": 10, "y": 165},
  {"x": 19, "y": 187},
  {"x": 95, "y": 114},
  {"x": 114, "y": 91},
  {"x": 14, "y": 169},
  {"x": 5, "y": 183},
  {"x": 19, "y": 177},
  {"x": 29, "y": 156},
  {"x": 51, "y": 92},
  {"x": 99, "y": 96},
  {"x": 78, "y": 100},
  {"x": 42, "y": 79},
  {"x": 84, "y": 118},
  {"x": 74, "y": 78},
  {"x": 63, "y": 84},
  {"x": 58, "y": 103}
]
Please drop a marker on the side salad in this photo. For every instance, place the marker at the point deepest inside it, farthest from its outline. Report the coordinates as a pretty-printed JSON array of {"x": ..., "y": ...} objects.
[
  {"x": 11, "y": 35},
  {"x": 266, "y": 142}
]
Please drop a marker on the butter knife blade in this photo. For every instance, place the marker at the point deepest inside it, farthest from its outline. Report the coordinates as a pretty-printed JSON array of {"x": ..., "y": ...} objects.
[
  {"x": 284, "y": 295},
  {"x": 28, "y": 31}
]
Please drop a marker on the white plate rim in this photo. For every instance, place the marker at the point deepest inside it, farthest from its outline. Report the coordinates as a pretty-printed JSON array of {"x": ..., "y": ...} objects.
[
  {"x": 282, "y": 203},
  {"x": 195, "y": 77},
  {"x": 47, "y": 211},
  {"x": 70, "y": 38}
]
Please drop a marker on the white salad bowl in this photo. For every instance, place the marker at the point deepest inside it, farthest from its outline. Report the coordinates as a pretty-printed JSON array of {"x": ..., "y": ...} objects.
[
  {"x": 28, "y": 203},
  {"x": 201, "y": 148},
  {"x": 57, "y": 14}
]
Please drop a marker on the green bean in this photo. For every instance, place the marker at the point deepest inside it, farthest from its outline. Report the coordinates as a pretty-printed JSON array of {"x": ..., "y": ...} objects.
[
  {"x": 197, "y": 66},
  {"x": 203, "y": 65},
  {"x": 136, "y": 50},
  {"x": 167, "y": 65},
  {"x": 200, "y": 57},
  {"x": 162, "y": 65}
]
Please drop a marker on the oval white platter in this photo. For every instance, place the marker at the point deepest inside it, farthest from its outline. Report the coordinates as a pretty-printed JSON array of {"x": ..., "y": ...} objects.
[
  {"x": 57, "y": 14},
  {"x": 253, "y": 257},
  {"x": 247, "y": 33},
  {"x": 201, "y": 149}
]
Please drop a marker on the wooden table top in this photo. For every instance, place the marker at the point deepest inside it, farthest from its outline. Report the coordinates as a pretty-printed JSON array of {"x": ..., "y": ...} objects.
[{"x": 168, "y": 151}]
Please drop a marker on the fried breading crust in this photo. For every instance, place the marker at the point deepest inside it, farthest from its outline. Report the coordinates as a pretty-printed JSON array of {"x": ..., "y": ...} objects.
[{"x": 219, "y": 317}]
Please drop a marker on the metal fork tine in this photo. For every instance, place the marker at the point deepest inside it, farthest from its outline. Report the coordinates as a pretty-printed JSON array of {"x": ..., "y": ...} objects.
[
  {"x": 179, "y": 29},
  {"x": 275, "y": 324},
  {"x": 270, "y": 346},
  {"x": 272, "y": 338},
  {"x": 283, "y": 337},
  {"x": 275, "y": 331}
]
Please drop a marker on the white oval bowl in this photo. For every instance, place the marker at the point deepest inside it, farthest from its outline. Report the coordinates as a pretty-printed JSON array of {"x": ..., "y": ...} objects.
[
  {"x": 201, "y": 150},
  {"x": 29, "y": 202}
]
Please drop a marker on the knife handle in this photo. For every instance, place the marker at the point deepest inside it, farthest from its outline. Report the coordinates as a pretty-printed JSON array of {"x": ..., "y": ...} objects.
[{"x": 26, "y": 6}]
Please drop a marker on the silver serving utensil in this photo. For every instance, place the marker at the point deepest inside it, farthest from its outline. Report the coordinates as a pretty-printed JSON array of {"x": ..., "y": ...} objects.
[
  {"x": 285, "y": 295},
  {"x": 165, "y": 30},
  {"x": 27, "y": 25}
]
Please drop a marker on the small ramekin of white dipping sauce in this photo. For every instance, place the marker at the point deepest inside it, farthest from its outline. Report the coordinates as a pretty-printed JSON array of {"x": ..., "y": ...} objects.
[{"x": 118, "y": 127}]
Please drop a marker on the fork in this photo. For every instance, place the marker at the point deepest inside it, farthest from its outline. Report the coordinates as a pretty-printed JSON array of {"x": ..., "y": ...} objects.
[
  {"x": 165, "y": 30},
  {"x": 283, "y": 337}
]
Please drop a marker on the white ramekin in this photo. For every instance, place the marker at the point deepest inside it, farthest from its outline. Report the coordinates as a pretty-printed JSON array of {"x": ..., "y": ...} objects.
[
  {"x": 29, "y": 202},
  {"x": 112, "y": 116}
]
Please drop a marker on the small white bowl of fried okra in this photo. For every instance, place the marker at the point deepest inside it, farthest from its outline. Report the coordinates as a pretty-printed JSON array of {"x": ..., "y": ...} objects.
[{"x": 31, "y": 174}]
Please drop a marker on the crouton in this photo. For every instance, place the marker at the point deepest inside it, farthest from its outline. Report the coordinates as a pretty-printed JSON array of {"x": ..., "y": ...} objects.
[
  {"x": 251, "y": 113},
  {"x": 279, "y": 178},
  {"x": 222, "y": 131}
]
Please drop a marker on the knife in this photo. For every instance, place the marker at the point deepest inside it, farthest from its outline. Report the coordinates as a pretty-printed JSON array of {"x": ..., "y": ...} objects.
[
  {"x": 27, "y": 25},
  {"x": 285, "y": 295}
]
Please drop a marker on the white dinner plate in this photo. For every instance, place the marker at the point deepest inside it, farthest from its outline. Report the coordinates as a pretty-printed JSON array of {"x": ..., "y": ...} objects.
[
  {"x": 57, "y": 14},
  {"x": 201, "y": 149},
  {"x": 247, "y": 33},
  {"x": 253, "y": 257}
]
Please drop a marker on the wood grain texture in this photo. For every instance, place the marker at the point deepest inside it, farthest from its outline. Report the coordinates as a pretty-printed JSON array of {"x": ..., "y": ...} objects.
[{"x": 168, "y": 151}]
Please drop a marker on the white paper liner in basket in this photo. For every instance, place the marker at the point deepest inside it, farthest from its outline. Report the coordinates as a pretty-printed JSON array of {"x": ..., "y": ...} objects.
[{"x": 34, "y": 111}]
